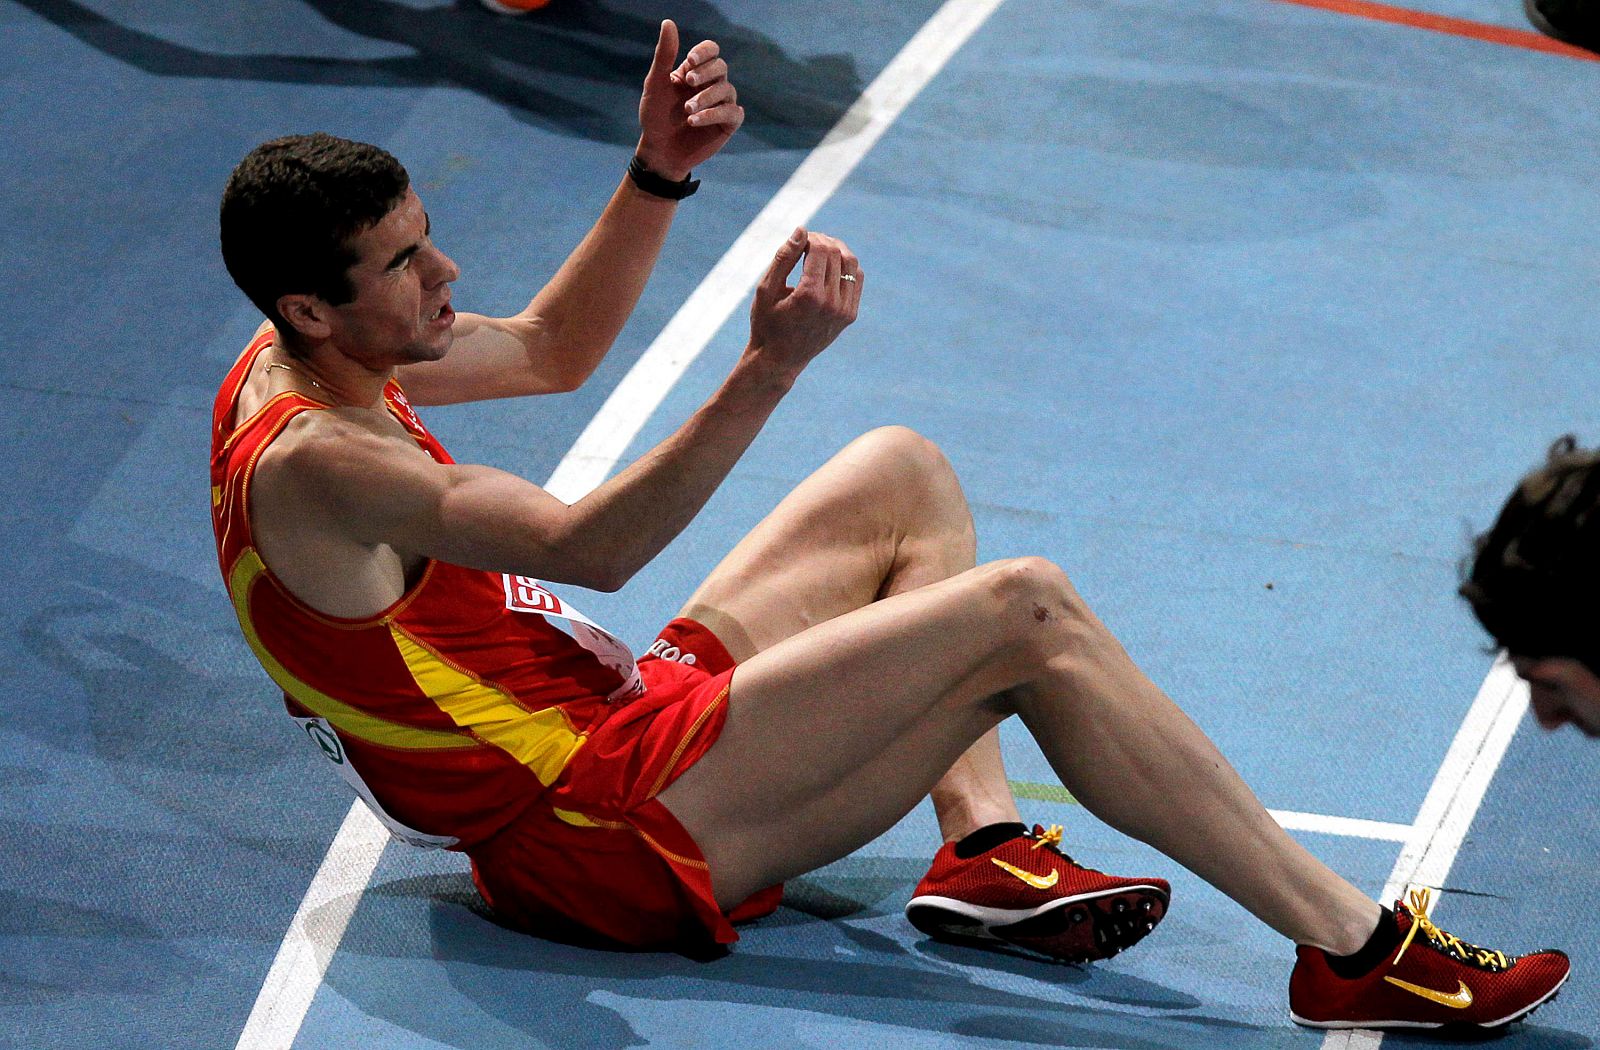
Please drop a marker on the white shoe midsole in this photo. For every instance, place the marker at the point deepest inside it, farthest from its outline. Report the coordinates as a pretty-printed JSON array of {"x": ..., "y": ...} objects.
[{"x": 1006, "y": 916}]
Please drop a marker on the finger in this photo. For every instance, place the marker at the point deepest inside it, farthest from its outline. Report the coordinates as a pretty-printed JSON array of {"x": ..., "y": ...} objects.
[
  {"x": 831, "y": 250},
  {"x": 711, "y": 100},
  {"x": 730, "y": 117},
  {"x": 718, "y": 94},
  {"x": 851, "y": 266},
  {"x": 814, "y": 277},
  {"x": 853, "y": 296},
  {"x": 697, "y": 76},
  {"x": 835, "y": 266},
  {"x": 701, "y": 53},
  {"x": 776, "y": 280},
  {"x": 666, "y": 52}
]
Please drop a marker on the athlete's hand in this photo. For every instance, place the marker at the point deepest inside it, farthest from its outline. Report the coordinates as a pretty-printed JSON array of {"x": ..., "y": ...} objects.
[
  {"x": 790, "y": 326},
  {"x": 687, "y": 111}
]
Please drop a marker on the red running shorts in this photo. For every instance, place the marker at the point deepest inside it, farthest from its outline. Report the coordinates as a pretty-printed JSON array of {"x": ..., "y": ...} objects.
[{"x": 599, "y": 854}]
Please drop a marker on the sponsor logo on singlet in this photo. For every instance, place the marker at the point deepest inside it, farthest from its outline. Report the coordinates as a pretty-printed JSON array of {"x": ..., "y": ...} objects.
[
  {"x": 523, "y": 594},
  {"x": 661, "y": 648}
]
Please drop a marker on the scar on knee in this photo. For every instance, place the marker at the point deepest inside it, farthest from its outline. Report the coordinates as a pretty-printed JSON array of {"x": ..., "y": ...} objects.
[{"x": 1040, "y": 613}]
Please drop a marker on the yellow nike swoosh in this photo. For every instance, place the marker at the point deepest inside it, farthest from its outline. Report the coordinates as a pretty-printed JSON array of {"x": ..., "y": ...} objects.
[
  {"x": 1038, "y": 882},
  {"x": 1459, "y": 1000}
]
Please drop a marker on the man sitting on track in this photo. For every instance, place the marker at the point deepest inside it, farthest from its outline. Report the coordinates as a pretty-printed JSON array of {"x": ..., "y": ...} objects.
[
  {"x": 1533, "y": 579},
  {"x": 845, "y": 659}
]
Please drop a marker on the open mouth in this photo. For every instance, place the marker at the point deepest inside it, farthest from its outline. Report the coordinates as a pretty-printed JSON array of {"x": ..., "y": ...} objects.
[{"x": 443, "y": 315}]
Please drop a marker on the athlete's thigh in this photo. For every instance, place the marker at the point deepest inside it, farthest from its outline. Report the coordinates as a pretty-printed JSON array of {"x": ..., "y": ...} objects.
[
  {"x": 828, "y": 547},
  {"x": 833, "y": 734}
]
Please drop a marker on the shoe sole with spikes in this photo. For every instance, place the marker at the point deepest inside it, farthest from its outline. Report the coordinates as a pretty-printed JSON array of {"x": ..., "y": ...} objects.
[{"x": 1081, "y": 929}]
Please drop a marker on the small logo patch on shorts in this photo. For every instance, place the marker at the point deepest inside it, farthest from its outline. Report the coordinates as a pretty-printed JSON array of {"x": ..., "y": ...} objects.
[{"x": 666, "y": 651}]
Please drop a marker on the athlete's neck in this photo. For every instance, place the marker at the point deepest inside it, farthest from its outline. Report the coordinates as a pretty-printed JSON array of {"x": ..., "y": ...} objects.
[{"x": 331, "y": 374}]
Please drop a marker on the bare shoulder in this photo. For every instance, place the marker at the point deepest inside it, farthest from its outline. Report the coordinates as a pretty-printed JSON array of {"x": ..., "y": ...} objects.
[
  {"x": 334, "y": 453},
  {"x": 324, "y": 506}
]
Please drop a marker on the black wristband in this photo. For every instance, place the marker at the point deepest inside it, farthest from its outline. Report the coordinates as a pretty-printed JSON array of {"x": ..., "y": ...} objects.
[{"x": 658, "y": 185}]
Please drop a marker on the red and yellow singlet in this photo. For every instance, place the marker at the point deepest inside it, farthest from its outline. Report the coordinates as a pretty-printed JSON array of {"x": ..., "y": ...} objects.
[{"x": 456, "y": 708}]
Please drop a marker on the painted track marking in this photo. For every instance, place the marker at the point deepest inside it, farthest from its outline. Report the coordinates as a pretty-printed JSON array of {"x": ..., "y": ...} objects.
[
  {"x": 1451, "y": 803},
  {"x": 1526, "y": 39}
]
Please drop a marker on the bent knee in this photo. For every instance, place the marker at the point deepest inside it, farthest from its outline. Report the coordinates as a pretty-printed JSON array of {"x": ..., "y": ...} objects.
[
  {"x": 909, "y": 465},
  {"x": 1032, "y": 589},
  {"x": 901, "y": 449}
]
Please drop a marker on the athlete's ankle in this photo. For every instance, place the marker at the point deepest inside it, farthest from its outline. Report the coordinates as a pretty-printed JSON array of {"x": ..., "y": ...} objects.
[
  {"x": 988, "y": 837},
  {"x": 1385, "y": 937}
]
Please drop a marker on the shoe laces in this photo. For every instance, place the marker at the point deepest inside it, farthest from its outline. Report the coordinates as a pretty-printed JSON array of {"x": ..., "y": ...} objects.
[
  {"x": 1050, "y": 837},
  {"x": 1448, "y": 943}
]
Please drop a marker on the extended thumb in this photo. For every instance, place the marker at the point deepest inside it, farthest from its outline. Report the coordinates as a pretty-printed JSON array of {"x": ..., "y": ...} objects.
[{"x": 788, "y": 253}]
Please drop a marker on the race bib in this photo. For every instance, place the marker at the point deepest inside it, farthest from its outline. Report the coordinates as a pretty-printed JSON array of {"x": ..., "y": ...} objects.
[
  {"x": 525, "y": 594},
  {"x": 326, "y": 741}
]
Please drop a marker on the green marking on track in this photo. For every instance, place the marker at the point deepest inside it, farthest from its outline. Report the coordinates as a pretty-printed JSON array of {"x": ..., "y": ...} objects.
[{"x": 1042, "y": 792}]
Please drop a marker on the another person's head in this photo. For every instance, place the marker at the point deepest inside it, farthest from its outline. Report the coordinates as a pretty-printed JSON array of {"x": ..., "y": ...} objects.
[
  {"x": 311, "y": 222},
  {"x": 1534, "y": 583}
]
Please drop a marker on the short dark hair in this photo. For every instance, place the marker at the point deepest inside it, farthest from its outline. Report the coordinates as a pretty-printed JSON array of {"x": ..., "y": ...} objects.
[
  {"x": 1534, "y": 577},
  {"x": 291, "y": 208}
]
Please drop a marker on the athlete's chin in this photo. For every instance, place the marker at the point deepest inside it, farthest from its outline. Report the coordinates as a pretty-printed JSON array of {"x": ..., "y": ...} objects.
[{"x": 434, "y": 348}]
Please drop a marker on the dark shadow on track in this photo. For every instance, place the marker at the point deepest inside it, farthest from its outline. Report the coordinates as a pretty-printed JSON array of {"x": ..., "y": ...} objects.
[
  {"x": 576, "y": 68},
  {"x": 802, "y": 959}
]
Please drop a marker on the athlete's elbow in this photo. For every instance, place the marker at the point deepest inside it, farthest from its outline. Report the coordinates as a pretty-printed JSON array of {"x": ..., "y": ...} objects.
[
  {"x": 606, "y": 575},
  {"x": 609, "y": 584},
  {"x": 572, "y": 374}
]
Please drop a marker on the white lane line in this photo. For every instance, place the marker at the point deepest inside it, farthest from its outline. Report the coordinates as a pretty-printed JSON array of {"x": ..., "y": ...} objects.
[
  {"x": 319, "y": 925},
  {"x": 315, "y": 932},
  {"x": 1350, "y": 827},
  {"x": 1463, "y": 779},
  {"x": 1453, "y": 800}
]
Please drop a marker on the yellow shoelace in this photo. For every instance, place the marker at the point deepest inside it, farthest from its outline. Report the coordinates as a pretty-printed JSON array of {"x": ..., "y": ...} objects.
[
  {"x": 1051, "y": 837},
  {"x": 1446, "y": 942}
]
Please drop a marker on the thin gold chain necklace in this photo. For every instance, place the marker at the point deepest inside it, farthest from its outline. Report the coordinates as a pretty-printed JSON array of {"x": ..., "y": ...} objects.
[{"x": 286, "y": 368}]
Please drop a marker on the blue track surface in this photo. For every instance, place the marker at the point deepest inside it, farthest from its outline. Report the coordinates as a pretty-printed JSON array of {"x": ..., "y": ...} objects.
[{"x": 1199, "y": 298}]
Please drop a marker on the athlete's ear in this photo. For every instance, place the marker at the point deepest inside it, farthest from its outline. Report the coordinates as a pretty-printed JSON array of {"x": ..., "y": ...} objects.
[{"x": 308, "y": 315}]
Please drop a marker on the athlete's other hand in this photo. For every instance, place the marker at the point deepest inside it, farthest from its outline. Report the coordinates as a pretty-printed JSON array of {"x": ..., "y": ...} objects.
[
  {"x": 790, "y": 326},
  {"x": 687, "y": 111}
]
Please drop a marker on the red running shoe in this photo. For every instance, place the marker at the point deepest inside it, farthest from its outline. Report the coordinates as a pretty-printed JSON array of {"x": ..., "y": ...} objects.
[
  {"x": 1432, "y": 981},
  {"x": 1028, "y": 893}
]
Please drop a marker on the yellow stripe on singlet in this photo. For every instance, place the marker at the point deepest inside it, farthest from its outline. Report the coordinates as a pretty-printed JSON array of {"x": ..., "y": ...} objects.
[
  {"x": 579, "y": 820},
  {"x": 246, "y": 572},
  {"x": 542, "y": 740}
]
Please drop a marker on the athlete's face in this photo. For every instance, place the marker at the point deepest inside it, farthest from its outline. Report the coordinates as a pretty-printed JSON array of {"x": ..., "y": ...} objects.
[
  {"x": 1561, "y": 690},
  {"x": 401, "y": 310}
]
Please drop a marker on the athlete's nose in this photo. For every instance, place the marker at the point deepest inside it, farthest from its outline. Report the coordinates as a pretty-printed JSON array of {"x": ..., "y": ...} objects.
[{"x": 443, "y": 268}]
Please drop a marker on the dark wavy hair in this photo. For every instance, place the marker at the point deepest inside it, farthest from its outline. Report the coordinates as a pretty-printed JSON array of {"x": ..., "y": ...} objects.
[
  {"x": 290, "y": 210},
  {"x": 1533, "y": 579}
]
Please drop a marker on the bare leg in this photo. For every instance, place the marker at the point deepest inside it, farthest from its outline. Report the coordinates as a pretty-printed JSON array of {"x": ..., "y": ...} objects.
[
  {"x": 911, "y": 681},
  {"x": 884, "y": 516}
]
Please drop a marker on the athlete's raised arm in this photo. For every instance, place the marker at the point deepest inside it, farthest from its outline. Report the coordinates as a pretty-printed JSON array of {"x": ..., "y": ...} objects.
[
  {"x": 686, "y": 113},
  {"x": 381, "y": 490}
]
